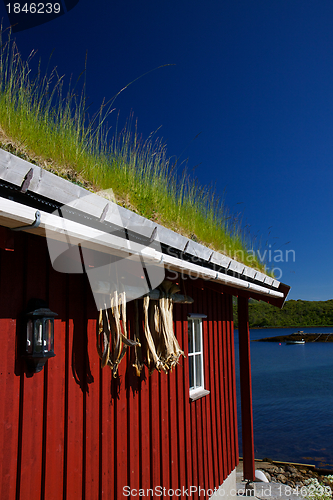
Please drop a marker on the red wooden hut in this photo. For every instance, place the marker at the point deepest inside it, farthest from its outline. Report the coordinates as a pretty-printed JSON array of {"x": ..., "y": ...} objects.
[{"x": 74, "y": 431}]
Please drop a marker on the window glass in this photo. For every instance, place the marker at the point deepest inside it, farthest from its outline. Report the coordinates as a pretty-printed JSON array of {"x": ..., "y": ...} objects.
[
  {"x": 195, "y": 354},
  {"x": 197, "y": 335},
  {"x": 190, "y": 337},
  {"x": 190, "y": 362},
  {"x": 198, "y": 371}
]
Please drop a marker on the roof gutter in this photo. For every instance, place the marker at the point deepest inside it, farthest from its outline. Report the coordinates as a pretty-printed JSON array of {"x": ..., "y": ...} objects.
[{"x": 13, "y": 215}]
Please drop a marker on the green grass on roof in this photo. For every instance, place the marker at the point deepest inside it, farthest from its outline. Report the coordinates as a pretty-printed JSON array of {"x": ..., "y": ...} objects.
[{"x": 49, "y": 127}]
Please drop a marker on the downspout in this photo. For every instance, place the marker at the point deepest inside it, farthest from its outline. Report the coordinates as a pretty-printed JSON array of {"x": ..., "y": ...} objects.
[{"x": 246, "y": 389}]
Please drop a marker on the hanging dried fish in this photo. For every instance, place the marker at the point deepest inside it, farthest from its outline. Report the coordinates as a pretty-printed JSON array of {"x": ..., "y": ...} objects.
[
  {"x": 166, "y": 350},
  {"x": 105, "y": 353},
  {"x": 128, "y": 342},
  {"x": 155, "y": 325},
  {"x": 153, "y": 360},
  {"x": 162, "y": 348},
  {"x": 172, "y": 350},
  {"x": 117, "y": 342},
  {"x": 113, "y": 327},
  {"x": 138, "y": 363}
]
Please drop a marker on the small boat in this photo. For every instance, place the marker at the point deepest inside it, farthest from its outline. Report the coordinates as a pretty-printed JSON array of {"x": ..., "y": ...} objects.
[{"x": 289, "y": 342}]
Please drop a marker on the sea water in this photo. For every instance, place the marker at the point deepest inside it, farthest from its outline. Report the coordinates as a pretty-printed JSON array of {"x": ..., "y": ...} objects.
[{"x": 292, "y": 389}]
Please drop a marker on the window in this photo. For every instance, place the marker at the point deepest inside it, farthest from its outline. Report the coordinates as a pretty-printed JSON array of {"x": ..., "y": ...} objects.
[{"x": 196, "y": 356}]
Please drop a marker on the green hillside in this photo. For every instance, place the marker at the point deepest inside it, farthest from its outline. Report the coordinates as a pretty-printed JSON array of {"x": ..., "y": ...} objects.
[{"x": 295, "y": 313}]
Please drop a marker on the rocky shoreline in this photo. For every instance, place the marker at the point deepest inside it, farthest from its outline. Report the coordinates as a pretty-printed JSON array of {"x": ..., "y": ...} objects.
[{"x": 293, "y": 475}]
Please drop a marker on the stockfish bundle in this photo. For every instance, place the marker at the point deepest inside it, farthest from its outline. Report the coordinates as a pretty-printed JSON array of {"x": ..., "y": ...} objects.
[
  {"x": 112, "y": 333},
  {"x": 171, "y": 352},
  {"x": 162, "y": 348},
  {"x": 138, "y": 362},
  {"x": 152, "y": 358}
]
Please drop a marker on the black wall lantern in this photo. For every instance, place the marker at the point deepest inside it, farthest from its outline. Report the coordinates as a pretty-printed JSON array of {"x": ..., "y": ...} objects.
[{"x": 39, "y": 336}]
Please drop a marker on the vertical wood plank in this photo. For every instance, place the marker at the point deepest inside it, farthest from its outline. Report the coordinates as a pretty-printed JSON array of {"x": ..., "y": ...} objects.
[
  {"x": 214, "y": 370},
  {"x": 176, "y": 407},
  {"x": 107, "y": 434},
  {"x": 11, "y": 305},
  {"x": 133, "y": 390},
  {"x": 145, "y": 426},
  {"x": 229, "y": 386},
  {"x": 199, "y": 420},
  {"x": 226, "y": 384},
  {"x": 246, "y": 389},
  {"x": 186, "y": 424},
  {"x": 230, "y": 383},
  {"x": 196, "y": 464},
  {"x": 155, "y": 478},
  {"x": 144, "y": 419},
  {"x": 165, "y": 405},
  {"x": 9, "y": 410},
  {"x": 75, "y": 390},
  {"x": 33, "y": 396},
  {"x": 55, "y": 408},
  {"x": 203, "y": 401},
  {"x": 221, "y": 385},
  {"x": 234, "y": 383},
  {"x": 210, "y": 416},
  {"x": 179, "y": 453},
  {"x": 92, "y": 407},
  {"x": 121, "y": 429}
]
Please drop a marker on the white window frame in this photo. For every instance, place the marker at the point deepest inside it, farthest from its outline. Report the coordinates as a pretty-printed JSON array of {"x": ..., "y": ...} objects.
[{"x": 197, "y": 352}]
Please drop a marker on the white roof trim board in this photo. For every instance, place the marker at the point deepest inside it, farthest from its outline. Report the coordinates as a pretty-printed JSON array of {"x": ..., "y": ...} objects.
[
  {"x": 56, "y": 227},
  {"x": 35, "y": 180},
  {"x": 12, "y": 213}
]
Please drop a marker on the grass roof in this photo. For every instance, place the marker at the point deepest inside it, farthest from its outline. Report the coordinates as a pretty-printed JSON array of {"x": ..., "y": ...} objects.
[{"x": 42, "y": 123}]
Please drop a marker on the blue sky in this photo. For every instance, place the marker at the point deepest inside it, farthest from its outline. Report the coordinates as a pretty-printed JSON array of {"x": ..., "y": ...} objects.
[{"x": 253, "y": 78}]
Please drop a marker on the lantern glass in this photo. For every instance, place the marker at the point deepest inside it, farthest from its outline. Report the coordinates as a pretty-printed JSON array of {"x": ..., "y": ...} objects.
[
  {"x": 29, "y": 337},
  {"x": 38, "y": 334},
  {"x": 48, "y": 340}
]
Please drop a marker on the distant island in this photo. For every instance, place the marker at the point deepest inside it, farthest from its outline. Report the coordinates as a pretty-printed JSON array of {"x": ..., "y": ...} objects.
[
  {"x": 299, "y": 336},
  {"x": 295, "y": 314}
]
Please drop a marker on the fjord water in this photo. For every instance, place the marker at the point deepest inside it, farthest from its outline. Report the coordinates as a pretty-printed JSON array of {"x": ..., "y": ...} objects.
[{"x": 292, "y": 388}]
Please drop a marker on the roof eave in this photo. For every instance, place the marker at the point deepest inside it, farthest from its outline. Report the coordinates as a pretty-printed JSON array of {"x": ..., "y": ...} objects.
[{"x": 26, "y": 177}]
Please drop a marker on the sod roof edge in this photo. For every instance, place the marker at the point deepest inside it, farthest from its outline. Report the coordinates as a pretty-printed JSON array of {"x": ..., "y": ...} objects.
[{"x": 34, "y": 179}]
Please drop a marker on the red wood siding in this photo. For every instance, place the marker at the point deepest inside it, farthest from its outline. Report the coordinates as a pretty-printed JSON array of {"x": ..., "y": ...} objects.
[{"x": 73, "y": 432}]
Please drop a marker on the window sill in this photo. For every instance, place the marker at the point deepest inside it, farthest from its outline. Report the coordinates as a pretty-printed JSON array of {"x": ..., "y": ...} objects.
[{"x": 198, "y": 394}]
